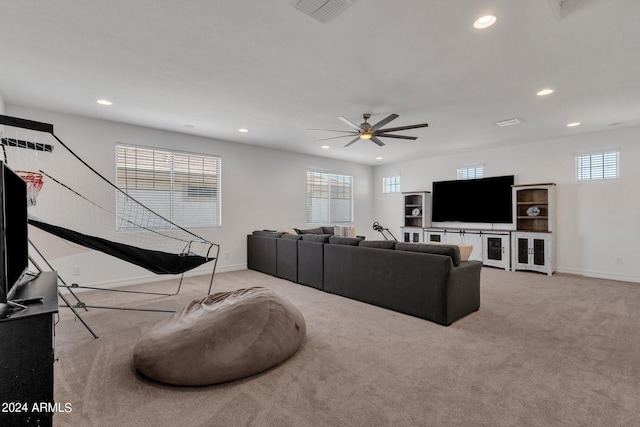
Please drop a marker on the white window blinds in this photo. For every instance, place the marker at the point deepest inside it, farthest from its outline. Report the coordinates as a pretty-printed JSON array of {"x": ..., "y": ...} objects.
[
  {"x": 329, "y": 198},
  {"x": 597, "y": 166},
  {"x": 473, "y": 172},
  {"x": 184, "y": 188},
  {"x": 391, "y": 184}
]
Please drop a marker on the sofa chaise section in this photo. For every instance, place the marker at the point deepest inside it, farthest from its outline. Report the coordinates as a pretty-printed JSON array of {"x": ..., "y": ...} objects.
[{"x": 424, "y": 285}]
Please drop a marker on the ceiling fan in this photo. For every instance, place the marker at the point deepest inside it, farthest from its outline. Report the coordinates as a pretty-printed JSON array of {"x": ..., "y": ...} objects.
[{"x": 373, "y": 132}]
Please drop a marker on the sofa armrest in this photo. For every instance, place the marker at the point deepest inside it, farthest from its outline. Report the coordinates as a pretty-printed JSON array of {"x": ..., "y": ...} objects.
[
  {"x": 261, "y": 254},
  {"x": 463, "y": 290}
]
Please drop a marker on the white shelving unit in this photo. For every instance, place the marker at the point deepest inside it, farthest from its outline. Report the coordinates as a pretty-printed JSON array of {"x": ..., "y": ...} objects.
[
  {"x": 533, "y": 241},
  {"x": 416, "y": 211}
]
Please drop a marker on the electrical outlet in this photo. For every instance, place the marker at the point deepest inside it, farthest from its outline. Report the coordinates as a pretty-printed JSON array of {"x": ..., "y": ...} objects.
[
  {"x": 76, "y": 271},
  {"x": 226, "y": 255},
  {"x": 618, "y": 261}
]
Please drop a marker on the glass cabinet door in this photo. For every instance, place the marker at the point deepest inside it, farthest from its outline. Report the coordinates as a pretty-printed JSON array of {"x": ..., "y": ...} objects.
[
  {"x": 538, "y": 252},
  {"x": 494, "y": 248},
  {"x": 523, "y": 250}
]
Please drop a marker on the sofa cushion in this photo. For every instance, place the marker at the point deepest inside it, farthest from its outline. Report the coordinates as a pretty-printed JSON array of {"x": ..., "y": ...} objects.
[
  {"x": 449, "y": 250},
  {"x": 317, "y": 230},
  {"x": 328, "y": 230},
  {"x": 320, "y": 238},
  {"x": 288, "y": 230},
  {"x": 380, "y": 244},
  {"x": 465, "y": 250},
  {"x": 291, "y": 236},
  {"x": 335, "y": 240},
  {"x": 268, "y": 233}
]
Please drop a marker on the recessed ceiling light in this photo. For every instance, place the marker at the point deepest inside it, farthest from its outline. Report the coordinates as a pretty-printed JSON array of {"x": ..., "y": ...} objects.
[
  {"x": 325, "y": 147},
  {"x": 570, "y": 125},
  {"x": 614, "y": 124},
  {"x": 484, "y": 22},
  {"x": 188, "y": 125},
  {"x": 104, "y": 102},
  {"x": 544, "y": 92},
  {"x": 243, "y": 130},
  {"x": 378, "y": 158}
]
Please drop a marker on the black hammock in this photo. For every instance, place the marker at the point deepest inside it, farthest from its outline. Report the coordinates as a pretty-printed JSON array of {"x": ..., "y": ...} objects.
[{"x": 155, "y": 261}]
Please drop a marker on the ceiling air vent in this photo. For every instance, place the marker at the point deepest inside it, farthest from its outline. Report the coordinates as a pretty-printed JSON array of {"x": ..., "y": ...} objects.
[
  {"x": 509, "y": 122},
  {"x": 322, "y": 10}
]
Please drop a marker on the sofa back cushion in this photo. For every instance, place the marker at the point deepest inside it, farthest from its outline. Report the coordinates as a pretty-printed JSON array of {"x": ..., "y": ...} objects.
[
  {"x": 268, "y": 233},
  {"x": 352, "y": 241},
  {"x": 320, "y": 238},
  {"x": 317, "y": 230},
  {"x": 448, "y": 250},
  {"x": 291, "y": 236},
  {"x": 379, "y": 244}
]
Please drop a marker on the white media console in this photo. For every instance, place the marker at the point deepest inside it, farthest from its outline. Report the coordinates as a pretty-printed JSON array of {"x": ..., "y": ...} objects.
[{"x": 527, "y": 244}]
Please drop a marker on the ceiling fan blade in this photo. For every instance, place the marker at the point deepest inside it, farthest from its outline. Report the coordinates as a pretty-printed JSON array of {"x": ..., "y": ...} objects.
[
  {"x": 334, "y": 130},
  {"x": 421, "y": 125},
  {"x": 357, "y": 138},
  {"x": 384, "y": 121},
  {"x": 349, "y": 123},
  {"x": 384, "y": 135},
  {"x": 336, "y": 137},
  {"x": 377, "y": 141}
]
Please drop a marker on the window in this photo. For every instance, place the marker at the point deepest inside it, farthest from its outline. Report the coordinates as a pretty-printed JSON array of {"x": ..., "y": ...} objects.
[
  {"x": 391, "y": 184},
  {"x": 597, "y": 166},
  {"x": 472, "y": 172},
  {"x": 183, "y": 188},
  {"x": 329, "y": 198}
]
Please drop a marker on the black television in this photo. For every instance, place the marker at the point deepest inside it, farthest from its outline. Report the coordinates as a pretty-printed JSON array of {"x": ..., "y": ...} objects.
[
  {"x": 14, "y": 242},
  {"x": 483, "y": 200}
]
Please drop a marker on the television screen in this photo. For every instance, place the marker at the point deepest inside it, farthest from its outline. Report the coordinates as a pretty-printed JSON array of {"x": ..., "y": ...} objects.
[
  {"x": 14, "y": 243},
  {"x": 484, "y": 200}
]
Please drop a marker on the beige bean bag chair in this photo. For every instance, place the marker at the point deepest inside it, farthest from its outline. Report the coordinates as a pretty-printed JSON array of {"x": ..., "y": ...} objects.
[{"x": 222, "y": 337}]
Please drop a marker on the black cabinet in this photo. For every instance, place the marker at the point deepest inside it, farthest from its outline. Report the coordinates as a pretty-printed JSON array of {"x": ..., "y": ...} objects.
[{"x": 27, "y": 356}]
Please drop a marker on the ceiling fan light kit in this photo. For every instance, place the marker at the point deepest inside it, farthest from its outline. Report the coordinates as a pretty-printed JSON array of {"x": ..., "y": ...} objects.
[{"x": 373, "y": 132}]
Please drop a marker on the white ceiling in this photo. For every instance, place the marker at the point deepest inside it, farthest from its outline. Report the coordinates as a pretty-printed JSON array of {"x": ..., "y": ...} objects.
[{"x": 267, "y": 67}]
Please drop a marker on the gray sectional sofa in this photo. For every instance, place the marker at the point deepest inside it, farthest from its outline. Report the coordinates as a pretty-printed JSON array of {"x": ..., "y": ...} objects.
[{"x": 422, "y": 280}]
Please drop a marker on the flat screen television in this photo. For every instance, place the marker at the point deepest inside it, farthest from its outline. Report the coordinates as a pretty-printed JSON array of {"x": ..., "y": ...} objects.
[
  {"x": 14, "y": 243},
  {"x": 483, "y": 200}
]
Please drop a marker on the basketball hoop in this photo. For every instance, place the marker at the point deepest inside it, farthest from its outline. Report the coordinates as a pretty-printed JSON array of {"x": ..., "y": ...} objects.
[{"x": 34, "y": 184}]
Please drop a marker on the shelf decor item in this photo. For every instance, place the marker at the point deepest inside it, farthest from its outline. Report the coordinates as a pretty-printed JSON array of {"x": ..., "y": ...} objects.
[{"x": 533, "y": 211}]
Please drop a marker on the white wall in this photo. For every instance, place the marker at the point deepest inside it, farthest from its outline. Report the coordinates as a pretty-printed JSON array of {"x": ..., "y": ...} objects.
[
  {"x": 597, "y": 221},
  {"x": 261, "y": 189}
]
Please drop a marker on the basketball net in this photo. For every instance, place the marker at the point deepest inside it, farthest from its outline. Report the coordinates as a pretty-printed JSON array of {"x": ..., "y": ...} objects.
[{"x": 34, "y": 184}]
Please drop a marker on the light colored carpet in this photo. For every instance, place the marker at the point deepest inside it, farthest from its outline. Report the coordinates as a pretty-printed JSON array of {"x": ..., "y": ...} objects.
[{"x": 542, "y": 351}]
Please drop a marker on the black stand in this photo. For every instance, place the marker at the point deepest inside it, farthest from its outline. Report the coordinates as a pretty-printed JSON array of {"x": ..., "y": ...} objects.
[
  {"x": 27, "y": 355},
  {"x": 378, "y": 227}
]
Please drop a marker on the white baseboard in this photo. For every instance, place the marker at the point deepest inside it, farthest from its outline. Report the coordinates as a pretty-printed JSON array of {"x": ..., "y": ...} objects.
[
  {"x": 149, "y": 278},
  {"x": 600, "y": 275}
]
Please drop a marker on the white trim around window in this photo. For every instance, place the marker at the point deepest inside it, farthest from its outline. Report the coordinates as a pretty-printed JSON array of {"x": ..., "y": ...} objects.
[
  {"x": 391, "y": 184},
  {"x": 470, "y": 172},
  {"x": 329, "y": 198},
  {"x": 181, "y": 187},
  {"x": 598, "y": 166}
]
